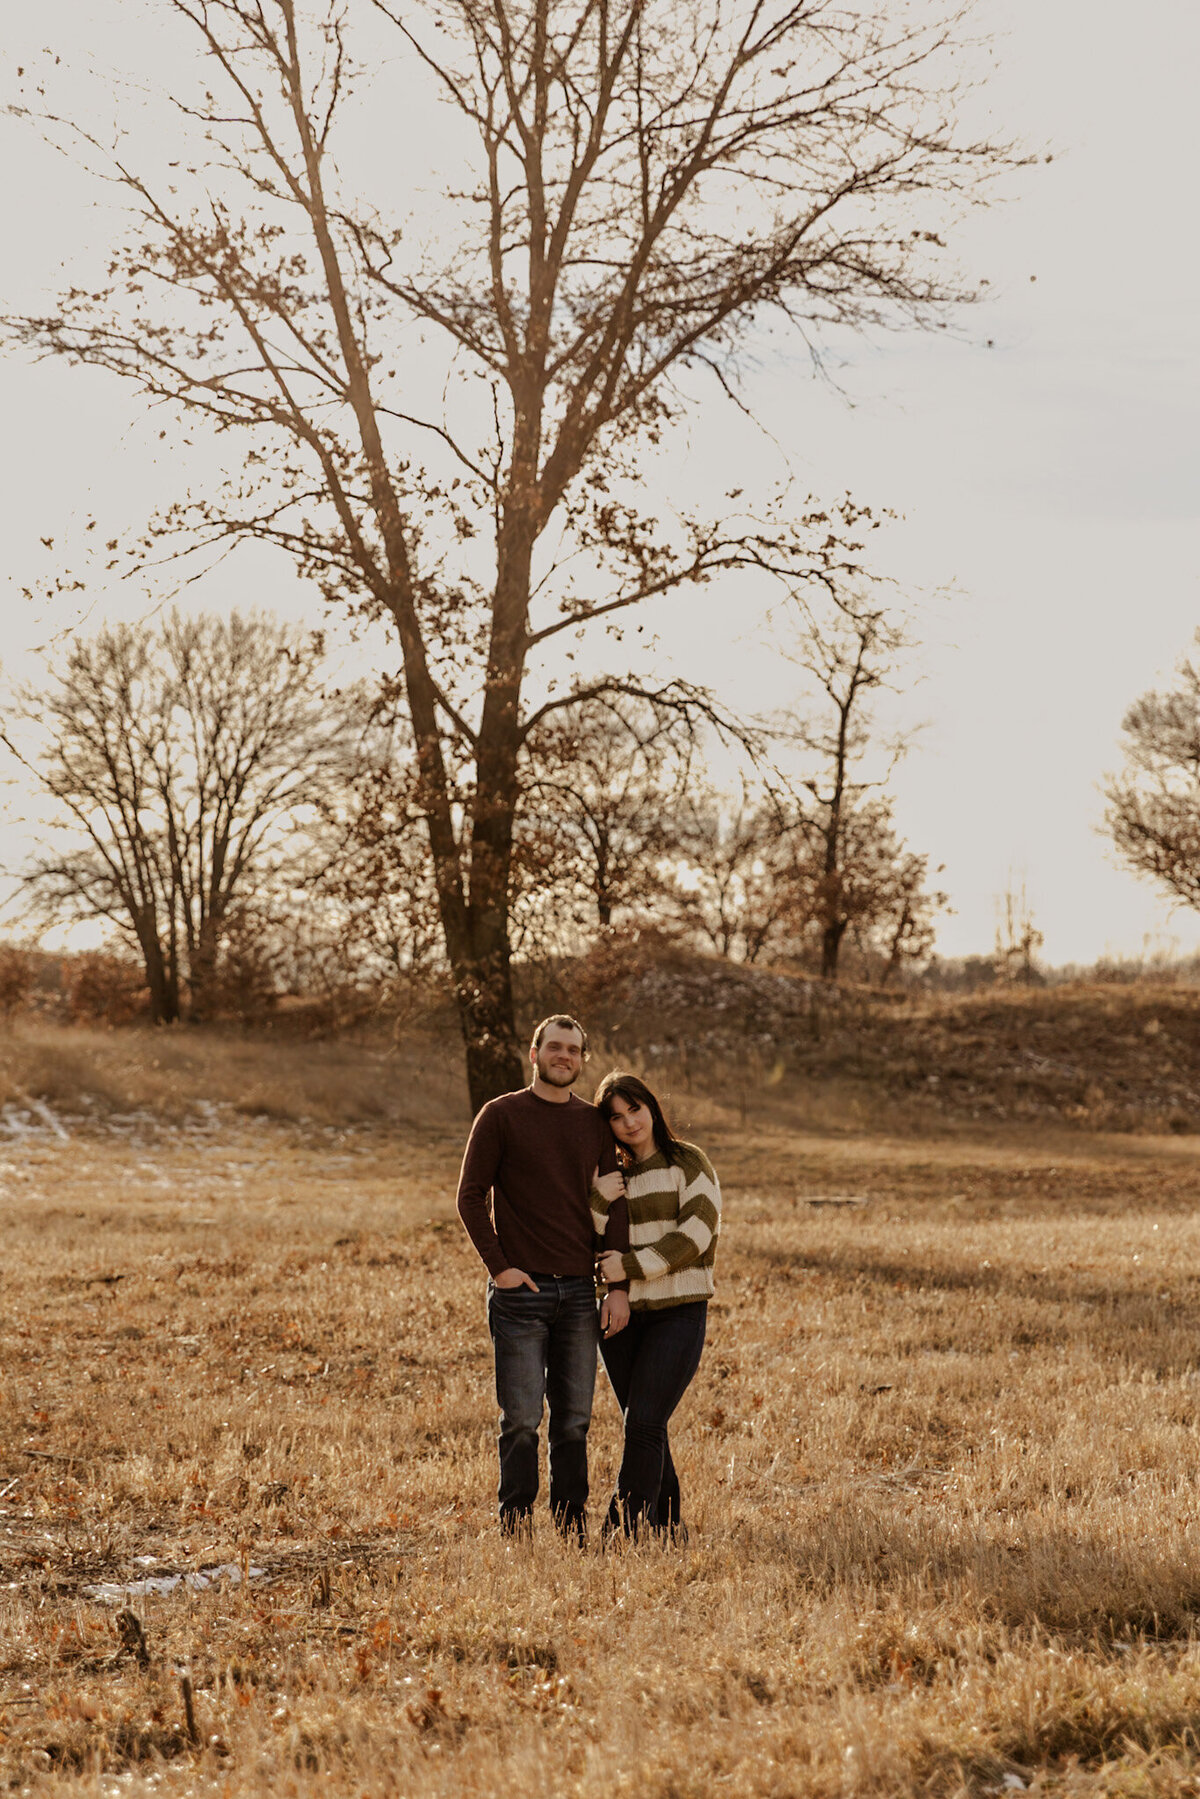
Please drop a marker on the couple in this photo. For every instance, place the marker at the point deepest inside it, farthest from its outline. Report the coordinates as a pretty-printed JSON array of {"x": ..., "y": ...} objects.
[{"x": 554, "y": 1191}]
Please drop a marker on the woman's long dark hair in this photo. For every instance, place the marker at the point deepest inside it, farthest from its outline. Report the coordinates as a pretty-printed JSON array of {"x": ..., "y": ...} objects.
[{"x": 635, "y": 1092}]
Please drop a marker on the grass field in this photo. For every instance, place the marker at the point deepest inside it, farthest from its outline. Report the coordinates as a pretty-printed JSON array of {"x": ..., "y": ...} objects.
[{"x": 940, "y": 1463}]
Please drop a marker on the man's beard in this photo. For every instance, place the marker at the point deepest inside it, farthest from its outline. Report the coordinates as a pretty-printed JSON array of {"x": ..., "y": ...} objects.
[{"x": 554, "y": 1078}]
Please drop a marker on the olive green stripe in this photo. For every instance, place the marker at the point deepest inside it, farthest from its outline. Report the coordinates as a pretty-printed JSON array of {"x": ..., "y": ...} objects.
[
  {"x": 701, "y": 1207},
  {"x": 645, "y": 1208},
  {"x": 666, "y": 1212},
  {"x": 677, "y": 1251},
  {"x": 638, "y": 1241}
]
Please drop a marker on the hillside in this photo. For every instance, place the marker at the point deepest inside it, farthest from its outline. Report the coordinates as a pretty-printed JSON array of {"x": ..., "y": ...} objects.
[
  {"x": 755, "y": 1044},
  {"x": 1106, "y": 1057}
]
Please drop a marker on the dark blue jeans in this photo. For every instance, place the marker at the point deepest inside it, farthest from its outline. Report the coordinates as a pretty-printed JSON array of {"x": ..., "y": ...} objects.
[
  {"x": 545, "y": 1344},
  {"x": 650, "y": 1364}
]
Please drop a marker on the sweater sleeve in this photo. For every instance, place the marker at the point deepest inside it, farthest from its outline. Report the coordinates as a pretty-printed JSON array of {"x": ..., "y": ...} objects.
[
  {"x": 610, "y": 1217},
  {"x": 696, "y": 1224},
  {"x": 481, "y": 1164}
]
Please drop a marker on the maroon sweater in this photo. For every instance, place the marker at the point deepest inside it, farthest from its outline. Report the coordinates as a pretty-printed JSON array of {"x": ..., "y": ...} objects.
[{"x": 537, "y": 1157}]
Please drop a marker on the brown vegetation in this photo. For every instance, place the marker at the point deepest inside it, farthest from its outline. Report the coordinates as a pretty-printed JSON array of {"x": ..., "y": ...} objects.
[
  {"x": 160, "y": 1078},
  {"x": 1154, "y": 803},
  {"x": 783, "y": 1050},
  {"x": 1099, "y": 1056},
  {"x": 941, "y": 1461}
]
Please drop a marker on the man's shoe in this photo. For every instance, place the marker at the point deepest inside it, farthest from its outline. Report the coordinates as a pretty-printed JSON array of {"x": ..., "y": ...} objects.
[
  {"x": 517, "y": 1525},
  {"x": 572, "y": 1528}
]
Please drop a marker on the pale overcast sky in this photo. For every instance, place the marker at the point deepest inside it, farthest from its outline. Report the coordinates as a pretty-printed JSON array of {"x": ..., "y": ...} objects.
[{"x": 1050, "y": 479}]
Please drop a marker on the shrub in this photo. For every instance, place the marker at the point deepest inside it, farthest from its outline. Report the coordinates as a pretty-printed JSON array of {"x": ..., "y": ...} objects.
[
  {"x": 103, "y": 988},
  {"x": 18, "y": 973}
]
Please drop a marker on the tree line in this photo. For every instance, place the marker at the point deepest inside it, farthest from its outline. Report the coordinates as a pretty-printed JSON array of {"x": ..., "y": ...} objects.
[{"x": 244, "y": 827}]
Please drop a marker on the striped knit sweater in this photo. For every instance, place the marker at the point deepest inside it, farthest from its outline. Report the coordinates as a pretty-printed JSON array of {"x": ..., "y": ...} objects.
[{"x": 674, "y": 1219}]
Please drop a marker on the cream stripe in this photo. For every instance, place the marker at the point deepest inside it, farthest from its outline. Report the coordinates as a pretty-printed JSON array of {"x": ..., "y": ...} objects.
[
  {"x": 653, "y": 1266},
  {"x": 698, "y": 1231}
]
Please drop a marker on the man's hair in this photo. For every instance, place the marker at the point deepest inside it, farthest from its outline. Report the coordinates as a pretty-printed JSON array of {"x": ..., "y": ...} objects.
[{"x": 564, "y": 1022}]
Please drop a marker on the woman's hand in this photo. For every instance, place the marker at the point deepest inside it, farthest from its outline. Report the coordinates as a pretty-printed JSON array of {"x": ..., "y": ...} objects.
[
  {"x": 610, "y": 1266},
  {"x": 609, "y": 1186}
]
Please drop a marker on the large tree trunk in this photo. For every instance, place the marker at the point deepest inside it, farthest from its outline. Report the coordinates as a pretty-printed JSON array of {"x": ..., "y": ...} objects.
[
  {"x": 483, "y": 989},
  {"x": 164, "y": 991},
  {"x": 202, "y": 972},
  {"x": 604, "y": 903},
  {"x": 483, "y": 974},
  {"x": 831, "y": 943}
]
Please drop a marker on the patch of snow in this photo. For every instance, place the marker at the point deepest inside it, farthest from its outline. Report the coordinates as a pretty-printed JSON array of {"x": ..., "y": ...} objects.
[{"x": 198, "y": 1580}]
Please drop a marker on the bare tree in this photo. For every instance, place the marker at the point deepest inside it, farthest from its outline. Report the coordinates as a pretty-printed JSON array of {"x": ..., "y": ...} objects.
[
  {"x": 753, "y": 883},
  {"x": 363, "y": 934},
  {"x": 1153, "y": 813},
  {"x": 645, "y": 181},
  {"x": 1017, "y": 937},
  {"x": 902, "y": 931},
  {"x": 733, "y": 885},
  {"x": 872, "y": 892},
  {"x": 178, "y": 757},
  {"x": 844, "y": 846},
  {"x": 817, "y": 858},
  {"x": 602, "y": 789}
]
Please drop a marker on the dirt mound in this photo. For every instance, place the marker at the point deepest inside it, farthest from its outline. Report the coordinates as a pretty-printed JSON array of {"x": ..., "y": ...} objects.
[{"x": 1107, "y": 1057}]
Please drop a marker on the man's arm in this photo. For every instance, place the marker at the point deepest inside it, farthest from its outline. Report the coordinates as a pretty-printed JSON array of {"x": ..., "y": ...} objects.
[
  {"x": 614, "y": 1313},
  {"x": 480, "y": 1166},
  {"x": 610, "y": 1222},
  {"x": 617, "y": 1235}
]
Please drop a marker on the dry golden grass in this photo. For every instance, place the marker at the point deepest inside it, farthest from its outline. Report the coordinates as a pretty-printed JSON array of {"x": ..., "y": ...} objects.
[
  {"x": 183, "y": 1074},
  {"x": 940, "y": 1464}
]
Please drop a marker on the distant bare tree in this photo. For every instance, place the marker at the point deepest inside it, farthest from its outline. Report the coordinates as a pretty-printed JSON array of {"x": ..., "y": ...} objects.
[
  {"x": 644, "y": 183},
  {"x": 1018, "y": 939},
  {"x": 848, "y": 863},
  {"x": 902, "y": 930},
  {"x": 178, "y": 758},
  {"x": 734, "y": 881},
  {"x": 877, "y": 892},
  {"x": 1153, "y": 810},
  {"x": 754, "y": 884},
  {"x": 816, "y": 858},
  {"x": 601, "y": 792},
  {"x": 363, "y": 932}
]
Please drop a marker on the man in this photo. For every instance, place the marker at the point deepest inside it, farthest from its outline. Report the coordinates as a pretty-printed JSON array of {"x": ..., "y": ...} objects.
[{"x": 536, "y": 1152}]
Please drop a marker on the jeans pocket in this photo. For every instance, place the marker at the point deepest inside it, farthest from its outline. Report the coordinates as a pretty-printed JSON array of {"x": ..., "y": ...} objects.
[{"x": 510, "y": 1296}]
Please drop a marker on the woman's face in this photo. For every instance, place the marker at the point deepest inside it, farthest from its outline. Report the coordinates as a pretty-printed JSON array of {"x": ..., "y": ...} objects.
[{"x": 632, "y": 1126}]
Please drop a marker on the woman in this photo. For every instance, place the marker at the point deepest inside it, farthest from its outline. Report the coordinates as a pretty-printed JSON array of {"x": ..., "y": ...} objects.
[{"x": 674, "y": 1216}]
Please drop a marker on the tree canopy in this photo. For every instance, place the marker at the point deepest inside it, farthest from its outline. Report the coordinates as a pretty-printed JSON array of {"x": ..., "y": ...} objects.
[
  {"x": 179, "y": 758},
  {"x": 1153, "y": 812}
]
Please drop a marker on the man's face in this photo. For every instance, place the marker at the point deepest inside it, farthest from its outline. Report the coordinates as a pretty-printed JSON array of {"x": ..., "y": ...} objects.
[{"x": 559, "y": 1058}]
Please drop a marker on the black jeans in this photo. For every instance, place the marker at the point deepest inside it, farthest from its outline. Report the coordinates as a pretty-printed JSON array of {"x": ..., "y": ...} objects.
[
  {"x": 545, "y": 1344},
  {"x": 650, "y": 1364}
]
